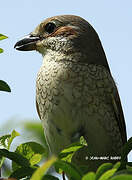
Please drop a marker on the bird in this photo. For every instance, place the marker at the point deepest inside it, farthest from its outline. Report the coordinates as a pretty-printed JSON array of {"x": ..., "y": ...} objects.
[{"x": 76, "y": 94}]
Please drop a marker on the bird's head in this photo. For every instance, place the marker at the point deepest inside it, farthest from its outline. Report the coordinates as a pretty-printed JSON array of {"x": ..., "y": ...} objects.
[{"x": 67, "y": 34}]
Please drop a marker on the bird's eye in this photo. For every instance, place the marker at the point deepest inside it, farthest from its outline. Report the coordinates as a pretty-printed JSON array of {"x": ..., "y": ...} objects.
[{"x": 50, "y": 27}]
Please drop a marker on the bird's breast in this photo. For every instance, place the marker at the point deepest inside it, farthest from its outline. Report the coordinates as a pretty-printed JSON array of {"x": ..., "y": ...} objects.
[
  {"x": 78, "y": 83},
  {"x": 67, "y": 95}
]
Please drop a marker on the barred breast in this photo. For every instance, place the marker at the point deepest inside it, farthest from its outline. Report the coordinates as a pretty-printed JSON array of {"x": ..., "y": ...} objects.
[{"x": 74, "y": 100}]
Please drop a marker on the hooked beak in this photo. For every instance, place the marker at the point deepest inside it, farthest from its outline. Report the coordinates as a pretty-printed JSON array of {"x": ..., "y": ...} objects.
[{"x": 27, "y": 43}]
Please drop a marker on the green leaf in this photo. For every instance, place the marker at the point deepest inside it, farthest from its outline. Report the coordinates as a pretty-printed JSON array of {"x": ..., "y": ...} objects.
[
  {"x": 83, "y": 141},
  {"x": 72, "y": 148},
  {"x": 125, "y": 151},
  {"x": 36, "y": 129},
  {"x": 19, "y": 159},
  {"x": 49, "y": 177},
  {"x": 68, "y": 152},
  {"x": 117, "y": 165},
  {"x": 1, "y": 50},
  {"x": 108, "y": 174},
  {"x": 3, "y": 37},
  {"x": 89, "y": 176},
  {"x": 122, "y": 177},
  {"x": 5, "y": 142},
  {"x": 123, "y": 172},
  {"x": 39, "y": 173},
  {"x": 3, "y": 145},
  {"x": 23, "y": 172},
  {"x": 13, "y": 135},
  {"x": 102, "y": 169},
  {"x": 69, "y": 169},
  {"x": 4, "y": 86},
  {"x": 31, "y": 151}
]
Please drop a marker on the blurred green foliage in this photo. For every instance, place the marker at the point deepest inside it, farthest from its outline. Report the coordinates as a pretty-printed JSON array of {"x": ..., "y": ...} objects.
[
  {"x": 3, "y": 85},
  {"x": 27, "y": 155}
]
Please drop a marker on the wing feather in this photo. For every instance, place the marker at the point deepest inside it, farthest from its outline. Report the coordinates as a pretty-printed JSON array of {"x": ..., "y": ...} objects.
[
  {"x": 37, "y": 107},
  {"x": 119, "y": 115}
]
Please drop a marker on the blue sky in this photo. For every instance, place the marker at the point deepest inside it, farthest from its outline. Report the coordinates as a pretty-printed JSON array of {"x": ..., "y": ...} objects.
[{"x": 112, "y": 21}]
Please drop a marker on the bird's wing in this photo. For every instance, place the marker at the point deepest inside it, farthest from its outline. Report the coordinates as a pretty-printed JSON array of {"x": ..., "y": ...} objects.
[
  {"x": 104, "y": 91},
  {"x": 38, "y": 109},
  {"x": 119, "y": 115}
]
